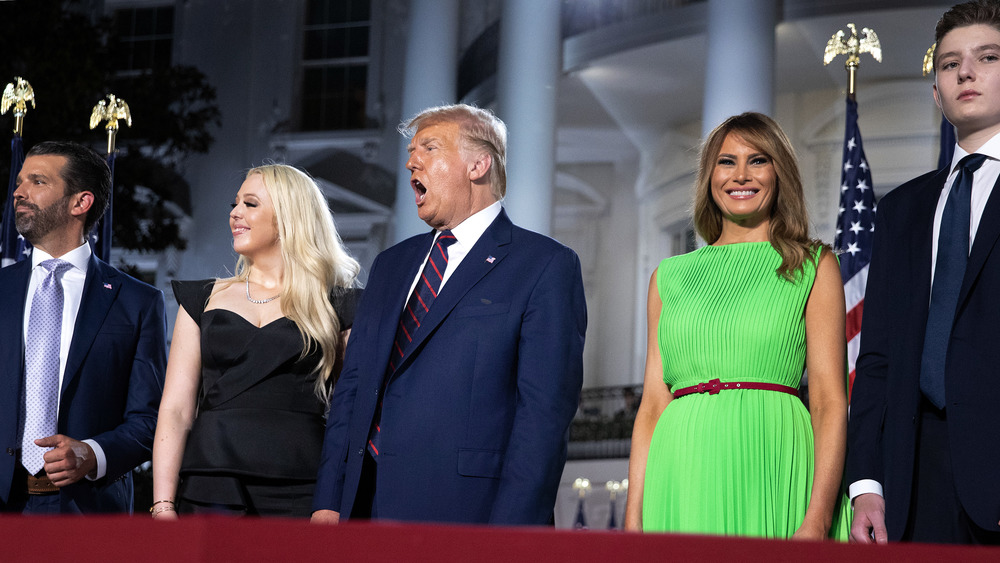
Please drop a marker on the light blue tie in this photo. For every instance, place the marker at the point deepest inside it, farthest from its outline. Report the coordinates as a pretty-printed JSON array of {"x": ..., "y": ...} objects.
[{"x": 41, "y": 364}]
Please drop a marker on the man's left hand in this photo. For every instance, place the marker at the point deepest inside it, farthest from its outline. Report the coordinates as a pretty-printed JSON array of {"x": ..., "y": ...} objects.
[{"x": 69, "y": 461}]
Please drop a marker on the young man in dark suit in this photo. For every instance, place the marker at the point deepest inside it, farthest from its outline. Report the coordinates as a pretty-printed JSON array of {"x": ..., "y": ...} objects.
[
  {"x": 924, "y": 433},
  {"x": 82, "y": 349}
]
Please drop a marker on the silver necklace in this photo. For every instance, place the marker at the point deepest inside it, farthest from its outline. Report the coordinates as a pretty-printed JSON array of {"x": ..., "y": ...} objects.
[{"x": 259, "y": 301}]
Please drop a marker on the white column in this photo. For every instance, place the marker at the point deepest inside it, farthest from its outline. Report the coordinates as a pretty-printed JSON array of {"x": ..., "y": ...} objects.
[
  {"x": 527, "y": 77},
  {"x": 430, "y": 79},
  {"x": 739, "y": 71}
]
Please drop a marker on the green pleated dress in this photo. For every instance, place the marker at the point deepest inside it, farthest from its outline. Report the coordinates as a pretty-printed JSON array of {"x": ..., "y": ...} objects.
[{"x": 739, "y": 462}]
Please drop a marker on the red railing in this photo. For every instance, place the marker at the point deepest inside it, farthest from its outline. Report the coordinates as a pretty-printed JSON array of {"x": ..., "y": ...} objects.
[{"x": 139, "y": 539}]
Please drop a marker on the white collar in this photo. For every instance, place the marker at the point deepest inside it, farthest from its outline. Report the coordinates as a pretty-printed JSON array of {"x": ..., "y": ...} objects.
[
  {"x": 79, "y": 257},
  {"x": 468, "y": 232},
  {"x": 991, "y": 149}
]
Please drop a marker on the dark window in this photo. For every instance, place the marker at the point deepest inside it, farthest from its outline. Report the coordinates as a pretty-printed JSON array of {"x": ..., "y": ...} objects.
[
  {"x": 143, "y": 39},
  {"x": 335, "y": 64}
]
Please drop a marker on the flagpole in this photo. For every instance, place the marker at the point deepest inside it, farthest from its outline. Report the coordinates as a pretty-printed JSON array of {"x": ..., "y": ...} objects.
[
  {"x": 856, "y": 214},
  {"x": 16, "y": 95},
  {"x": 110, "y": 111},
  {"x": 852, "y": 46}
]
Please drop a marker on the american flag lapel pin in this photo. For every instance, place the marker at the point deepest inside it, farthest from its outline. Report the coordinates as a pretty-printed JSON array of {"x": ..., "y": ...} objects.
[
  {"x": 491, "y": 259},
  {"x": 107, "y": 286}
]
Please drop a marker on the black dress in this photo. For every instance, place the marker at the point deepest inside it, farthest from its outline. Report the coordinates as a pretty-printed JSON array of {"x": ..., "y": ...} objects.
[{"x": 255, "y": 444}]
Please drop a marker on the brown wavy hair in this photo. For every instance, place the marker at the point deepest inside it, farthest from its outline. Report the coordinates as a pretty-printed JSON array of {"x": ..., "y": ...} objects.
[
  {"x": 983, "y": 12},
  {"x": 789, "y": 228}
]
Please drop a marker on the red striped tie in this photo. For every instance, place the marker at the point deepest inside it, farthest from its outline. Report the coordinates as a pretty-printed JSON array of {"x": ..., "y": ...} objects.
[{"x": 413, "y": 314}]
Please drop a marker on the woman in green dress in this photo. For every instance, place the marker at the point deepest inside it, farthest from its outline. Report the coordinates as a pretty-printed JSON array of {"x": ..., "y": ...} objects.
[{"x": 722, "y": 443}]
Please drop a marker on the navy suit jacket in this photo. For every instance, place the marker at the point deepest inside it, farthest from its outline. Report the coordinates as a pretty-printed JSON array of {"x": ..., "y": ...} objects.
[
  {"x": 476, "y": 415},
  {"x": 882, "y": 432},
  {"x": 111, "y": 385}
]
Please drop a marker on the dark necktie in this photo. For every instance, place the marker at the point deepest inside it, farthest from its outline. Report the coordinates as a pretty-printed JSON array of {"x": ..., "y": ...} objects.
[
  {"x": 416, "y": 308},
  {"x": 949, "y": 270}
]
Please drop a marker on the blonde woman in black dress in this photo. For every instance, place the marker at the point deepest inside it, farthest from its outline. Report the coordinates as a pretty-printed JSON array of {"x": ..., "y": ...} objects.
[{"x": 254, "y": 357}]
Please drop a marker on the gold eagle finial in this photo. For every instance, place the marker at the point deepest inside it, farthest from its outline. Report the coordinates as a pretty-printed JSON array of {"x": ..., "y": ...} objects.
[
  {"x": 853, "y": 46},
  {"x": 111, "y": 111},
  {"x": 929, "y": 59},
  {"x": 16, "y": 95}
]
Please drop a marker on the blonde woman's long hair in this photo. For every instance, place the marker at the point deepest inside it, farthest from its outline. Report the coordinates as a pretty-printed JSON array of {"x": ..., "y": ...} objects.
[
  {"x": 789, "y": 229},
  {"x": 315, "y": 264}
]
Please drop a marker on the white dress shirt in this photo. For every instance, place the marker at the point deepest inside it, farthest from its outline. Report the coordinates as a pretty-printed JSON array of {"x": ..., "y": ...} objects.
[
  {"x": 982, "y": 186},
  {"x": 467, "y": 234},
  {"x": 72, "y": 281}
]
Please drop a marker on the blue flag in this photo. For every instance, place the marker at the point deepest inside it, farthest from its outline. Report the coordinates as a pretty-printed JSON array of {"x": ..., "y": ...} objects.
[
  {"x": 580, "y": 522},
  {"x": 13, "y": 247},
  {"x": 100, "y": 237},
  {"x": 855, "y": 231}
]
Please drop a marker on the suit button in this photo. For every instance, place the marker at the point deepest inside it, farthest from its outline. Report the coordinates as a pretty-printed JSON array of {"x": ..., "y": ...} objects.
[
  {"x": 10, "y": 451},
  {"x": 376, "y": 391},
  {"x": 361, "y": 451}
]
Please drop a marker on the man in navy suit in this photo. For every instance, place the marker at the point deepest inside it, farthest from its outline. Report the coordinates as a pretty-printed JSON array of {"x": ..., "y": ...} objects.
[
  {"x": 924, "y": 433},
  {"x": 109, "y": 357},
  {"x": 465, "y": 417}
]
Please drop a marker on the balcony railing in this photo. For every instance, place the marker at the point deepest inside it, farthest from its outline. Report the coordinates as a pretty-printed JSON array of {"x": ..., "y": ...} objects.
[
  {"x": 581, "y": 16},
  {"x": 602, "y": 427}
]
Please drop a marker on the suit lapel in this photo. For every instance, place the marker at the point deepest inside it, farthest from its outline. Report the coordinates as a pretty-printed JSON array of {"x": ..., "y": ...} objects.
[
  {"x": 12, "y": 304},
  {"x": 99, "y": 292},
  {"x": 12, "y": 297},
  {"x": 491, "y": 248},
  {"x": 921, "y": 251},
  {"x": 409, "y": 260},
  {"x": 986, "y": 238}
]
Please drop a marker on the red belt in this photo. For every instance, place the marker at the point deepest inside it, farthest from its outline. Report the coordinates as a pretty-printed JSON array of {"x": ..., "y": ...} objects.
[{"x": 712, "y": 387}]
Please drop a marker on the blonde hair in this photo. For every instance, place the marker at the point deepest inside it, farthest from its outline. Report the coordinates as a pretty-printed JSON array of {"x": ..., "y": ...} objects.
[
  {"x": 789, "y": 229},
  {"x": 315, "y": 263},
  {"x": 482, "y": 132}
]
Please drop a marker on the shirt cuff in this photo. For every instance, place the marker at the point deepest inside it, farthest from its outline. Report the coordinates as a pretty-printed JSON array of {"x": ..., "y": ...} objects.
[
  {"x": 864, "y": 486},
  {"x": 102, "y": 462}
]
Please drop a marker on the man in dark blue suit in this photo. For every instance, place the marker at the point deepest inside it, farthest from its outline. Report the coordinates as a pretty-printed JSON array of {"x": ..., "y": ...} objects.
[
  {"x": 924, "y": 432},
  {"x": 464, "y": 366},
  {"x": 80, "y": 388}
]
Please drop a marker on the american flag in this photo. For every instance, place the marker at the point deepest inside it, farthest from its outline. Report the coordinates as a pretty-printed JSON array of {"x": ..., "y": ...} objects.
[
  {"x": 13, "y": 247},
  {"x": 855, "y": 229}
]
